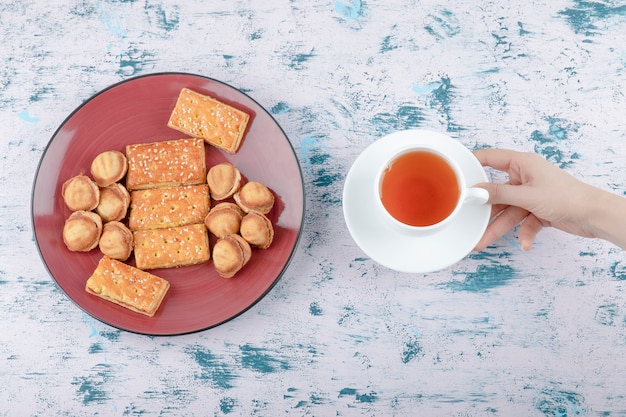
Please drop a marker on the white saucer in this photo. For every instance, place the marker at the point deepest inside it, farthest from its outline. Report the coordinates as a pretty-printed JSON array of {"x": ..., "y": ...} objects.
[{"x": 394, "y": 249}]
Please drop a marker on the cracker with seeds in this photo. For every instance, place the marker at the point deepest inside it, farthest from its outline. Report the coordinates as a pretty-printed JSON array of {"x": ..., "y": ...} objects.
[
  {"x": 201, "y": 116},
  {"x": 160, "y": 208},
  {"x": 165, "y": 164},
  {"x": 171, "y": 247},
  {"x": 127, "y": 286}
]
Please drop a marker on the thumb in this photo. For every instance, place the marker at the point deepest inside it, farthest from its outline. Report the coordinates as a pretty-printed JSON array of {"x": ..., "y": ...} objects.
[{"x": 507, "y": 194}]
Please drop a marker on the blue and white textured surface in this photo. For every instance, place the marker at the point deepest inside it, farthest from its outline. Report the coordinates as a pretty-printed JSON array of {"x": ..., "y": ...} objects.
[{"x": 501, "y": 333}]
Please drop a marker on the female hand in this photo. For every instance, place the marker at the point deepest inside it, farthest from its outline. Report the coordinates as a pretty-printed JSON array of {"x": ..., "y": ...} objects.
[{"x": 537, "y": 194}]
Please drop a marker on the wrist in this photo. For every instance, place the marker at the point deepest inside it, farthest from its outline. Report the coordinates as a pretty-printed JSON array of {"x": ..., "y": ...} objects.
[{"x": 606, "y": 218}]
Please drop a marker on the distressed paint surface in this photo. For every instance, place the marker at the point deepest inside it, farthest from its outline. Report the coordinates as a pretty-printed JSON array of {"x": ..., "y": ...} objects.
[{"x": 501, "y": 333}]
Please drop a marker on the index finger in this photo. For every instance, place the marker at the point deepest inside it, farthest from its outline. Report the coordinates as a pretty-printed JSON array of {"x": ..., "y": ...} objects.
[{"x": 499, "y": 159}]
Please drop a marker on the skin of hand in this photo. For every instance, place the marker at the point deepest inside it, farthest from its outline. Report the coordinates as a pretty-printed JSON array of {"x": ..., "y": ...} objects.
[{"x": 539, "y": 194}]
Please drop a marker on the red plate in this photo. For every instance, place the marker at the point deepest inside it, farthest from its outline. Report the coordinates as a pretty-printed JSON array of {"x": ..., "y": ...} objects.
[{"x": 136, "y": 111}]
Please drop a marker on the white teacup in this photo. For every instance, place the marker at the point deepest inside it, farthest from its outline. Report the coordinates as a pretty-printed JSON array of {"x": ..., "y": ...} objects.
[{"x": 429, "y": 192}]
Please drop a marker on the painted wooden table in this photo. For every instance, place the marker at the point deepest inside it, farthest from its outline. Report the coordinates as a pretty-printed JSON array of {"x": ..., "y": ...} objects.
[{"x": 502, "y": 332}]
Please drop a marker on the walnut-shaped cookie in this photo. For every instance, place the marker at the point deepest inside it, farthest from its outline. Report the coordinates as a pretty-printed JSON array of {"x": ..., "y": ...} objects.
[
  {"x": 255, "y": 196},
  {"x": 109, "y": 167},
  {"x": 224, "y": 180},
  {"x": 82, "y": 231},
  {"x": 224, "y": 219},
  {"x": 116, "y": 241},
  {"x": 230, "y": 254},
  {"x": 257, "y": 230},
  {"x": 80, "y": 193},
  {"x": 114, "y": 202}
]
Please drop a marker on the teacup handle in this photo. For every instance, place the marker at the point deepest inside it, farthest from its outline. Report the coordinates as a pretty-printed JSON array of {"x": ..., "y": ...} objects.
[{"x": 476, "y": 195}]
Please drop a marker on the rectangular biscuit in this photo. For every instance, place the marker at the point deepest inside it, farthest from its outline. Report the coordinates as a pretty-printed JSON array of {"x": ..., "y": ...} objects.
[
  {"x": 159, "y": 208},
  {"x": 171, "y": 247},
  {"x": 201, "y": 116},
  {"x": 127, "y": 286},
  {"x": 165, "y": 164}
]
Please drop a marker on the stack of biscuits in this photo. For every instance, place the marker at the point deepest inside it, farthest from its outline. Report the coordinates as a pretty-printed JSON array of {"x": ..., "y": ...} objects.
[{"x": 169, "y": 201}]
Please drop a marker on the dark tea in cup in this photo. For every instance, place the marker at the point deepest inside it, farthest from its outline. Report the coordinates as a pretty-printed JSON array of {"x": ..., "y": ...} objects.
[{"x": 419, "y": 188}]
